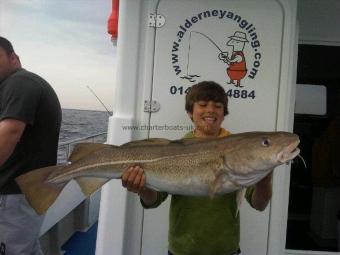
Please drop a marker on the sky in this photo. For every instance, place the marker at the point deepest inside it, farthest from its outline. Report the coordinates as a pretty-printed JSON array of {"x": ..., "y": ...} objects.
[{"x": 66, "y": 42}]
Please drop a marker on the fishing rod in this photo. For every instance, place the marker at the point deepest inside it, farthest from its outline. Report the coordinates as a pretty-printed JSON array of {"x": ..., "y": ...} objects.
[{"x": 108, "y": 112}]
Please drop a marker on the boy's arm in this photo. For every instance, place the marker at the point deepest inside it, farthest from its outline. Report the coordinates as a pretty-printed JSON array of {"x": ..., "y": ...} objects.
[{"x": 134, "y": 180}]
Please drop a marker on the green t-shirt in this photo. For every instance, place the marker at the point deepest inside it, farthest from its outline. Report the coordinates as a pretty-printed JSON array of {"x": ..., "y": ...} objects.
[{"x": 203, "y": 226}]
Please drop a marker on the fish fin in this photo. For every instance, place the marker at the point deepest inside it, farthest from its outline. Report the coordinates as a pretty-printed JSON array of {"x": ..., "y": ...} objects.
[
  {"x": 147, "y": 142},
  {"x": 81, "y": 150},
  {"x": 187, "y": 141},
  {"x": 89, "y": 185},
  {"x": 217, "y": 183},
  {"x": 39, "y": 193},
  {"x": 239, "y": 198},
  {"x": 161, "y": 141}
]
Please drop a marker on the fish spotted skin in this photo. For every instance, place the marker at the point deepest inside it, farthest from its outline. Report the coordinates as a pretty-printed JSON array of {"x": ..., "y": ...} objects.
[{"x": 197, "y": 167}]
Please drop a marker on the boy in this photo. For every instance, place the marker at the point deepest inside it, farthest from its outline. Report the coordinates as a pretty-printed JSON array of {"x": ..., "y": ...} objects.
[{"x": 200, "y": 225}]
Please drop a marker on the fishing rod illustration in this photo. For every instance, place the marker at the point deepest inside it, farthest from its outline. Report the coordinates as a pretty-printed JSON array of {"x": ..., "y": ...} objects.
[
  {"x": 222, "y": 55},
  {"x": 210, "y": 40}
]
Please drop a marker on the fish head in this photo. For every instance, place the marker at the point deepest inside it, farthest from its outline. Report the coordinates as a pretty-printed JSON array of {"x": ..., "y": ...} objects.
[{"x": 257, "y": 152}]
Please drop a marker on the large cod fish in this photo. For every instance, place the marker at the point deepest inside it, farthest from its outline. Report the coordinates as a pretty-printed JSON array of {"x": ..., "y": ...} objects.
[{"x": 198, "y": 167}]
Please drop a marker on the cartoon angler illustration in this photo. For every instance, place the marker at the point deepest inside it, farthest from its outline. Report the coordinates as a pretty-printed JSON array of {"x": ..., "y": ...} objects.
[{"x": 237, "y": 63}]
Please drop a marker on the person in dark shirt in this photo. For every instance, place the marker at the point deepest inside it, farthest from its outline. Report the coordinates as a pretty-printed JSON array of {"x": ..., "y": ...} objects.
[{"x": 30, "y": 119}]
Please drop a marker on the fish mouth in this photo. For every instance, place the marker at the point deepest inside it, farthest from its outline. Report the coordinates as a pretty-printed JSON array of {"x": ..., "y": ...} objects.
[{"x": 289, "y": 152}]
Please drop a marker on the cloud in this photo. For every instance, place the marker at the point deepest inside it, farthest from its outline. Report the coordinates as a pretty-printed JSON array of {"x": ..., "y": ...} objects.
[{"x": 65, "y": 42}]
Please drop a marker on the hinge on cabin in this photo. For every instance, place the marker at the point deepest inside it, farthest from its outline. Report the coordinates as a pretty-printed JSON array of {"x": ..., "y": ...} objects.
[
  {"x": 151, "y": 106},
  {"x": 156, "y": 20}
]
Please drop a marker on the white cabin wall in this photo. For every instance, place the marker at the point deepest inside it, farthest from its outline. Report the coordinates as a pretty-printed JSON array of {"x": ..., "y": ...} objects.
[
  {"x": 281, "y": 179},
  {"x": 121, "y": 214},
  {"x": 140, "y": 77},
  {"x": 113, "y": 215}
]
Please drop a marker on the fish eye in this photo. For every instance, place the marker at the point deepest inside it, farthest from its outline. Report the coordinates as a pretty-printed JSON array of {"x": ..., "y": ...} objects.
[{"x": 265, "y": 141}]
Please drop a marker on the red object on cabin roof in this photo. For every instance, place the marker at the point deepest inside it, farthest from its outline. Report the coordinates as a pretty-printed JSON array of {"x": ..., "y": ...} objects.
[{"x": 112, "y": 24}]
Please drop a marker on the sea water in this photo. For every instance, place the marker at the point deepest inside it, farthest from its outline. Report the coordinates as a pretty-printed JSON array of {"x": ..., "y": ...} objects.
[{"x": 79, "y": 124}]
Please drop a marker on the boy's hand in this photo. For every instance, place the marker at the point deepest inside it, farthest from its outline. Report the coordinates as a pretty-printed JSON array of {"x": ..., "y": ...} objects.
[{"x": 134, "y": 179}]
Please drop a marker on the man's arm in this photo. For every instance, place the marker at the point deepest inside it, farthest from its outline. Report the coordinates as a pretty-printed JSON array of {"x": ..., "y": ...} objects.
[
  {"x": 11, "y": 131},
  {"x": 262, "y": 193}
]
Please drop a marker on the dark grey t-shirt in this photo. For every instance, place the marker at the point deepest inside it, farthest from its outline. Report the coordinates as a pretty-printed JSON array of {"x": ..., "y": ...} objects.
[{"x": 27, "y": 97}]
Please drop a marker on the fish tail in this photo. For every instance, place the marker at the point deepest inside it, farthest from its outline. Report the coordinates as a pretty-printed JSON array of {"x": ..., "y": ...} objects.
[{"x": 39, "y": 193}]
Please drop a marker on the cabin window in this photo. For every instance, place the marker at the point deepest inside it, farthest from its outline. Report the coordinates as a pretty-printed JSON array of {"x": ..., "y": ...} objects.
[{"x": 314, "y": 199}]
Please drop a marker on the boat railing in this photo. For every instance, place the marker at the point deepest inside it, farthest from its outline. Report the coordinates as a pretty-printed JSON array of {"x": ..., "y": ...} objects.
[
  {"x": 65, "y": 148},
  {"x": 72, "y": 205}
]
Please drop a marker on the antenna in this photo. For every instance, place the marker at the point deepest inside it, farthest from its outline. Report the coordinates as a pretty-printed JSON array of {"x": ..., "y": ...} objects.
[{"x": 108, "y": 112}]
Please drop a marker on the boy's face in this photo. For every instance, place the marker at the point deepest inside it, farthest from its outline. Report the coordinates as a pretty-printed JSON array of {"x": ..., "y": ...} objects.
[{"x": 207, "y": 117}]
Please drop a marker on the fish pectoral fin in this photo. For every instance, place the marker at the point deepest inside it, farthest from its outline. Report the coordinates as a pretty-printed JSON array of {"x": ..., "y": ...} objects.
[
  {"x": 239, "y": 198},
  {"x": 81, "y": 150},
  {"x": 89, "y": 185},
  {"x": 217, "y": 183}
]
